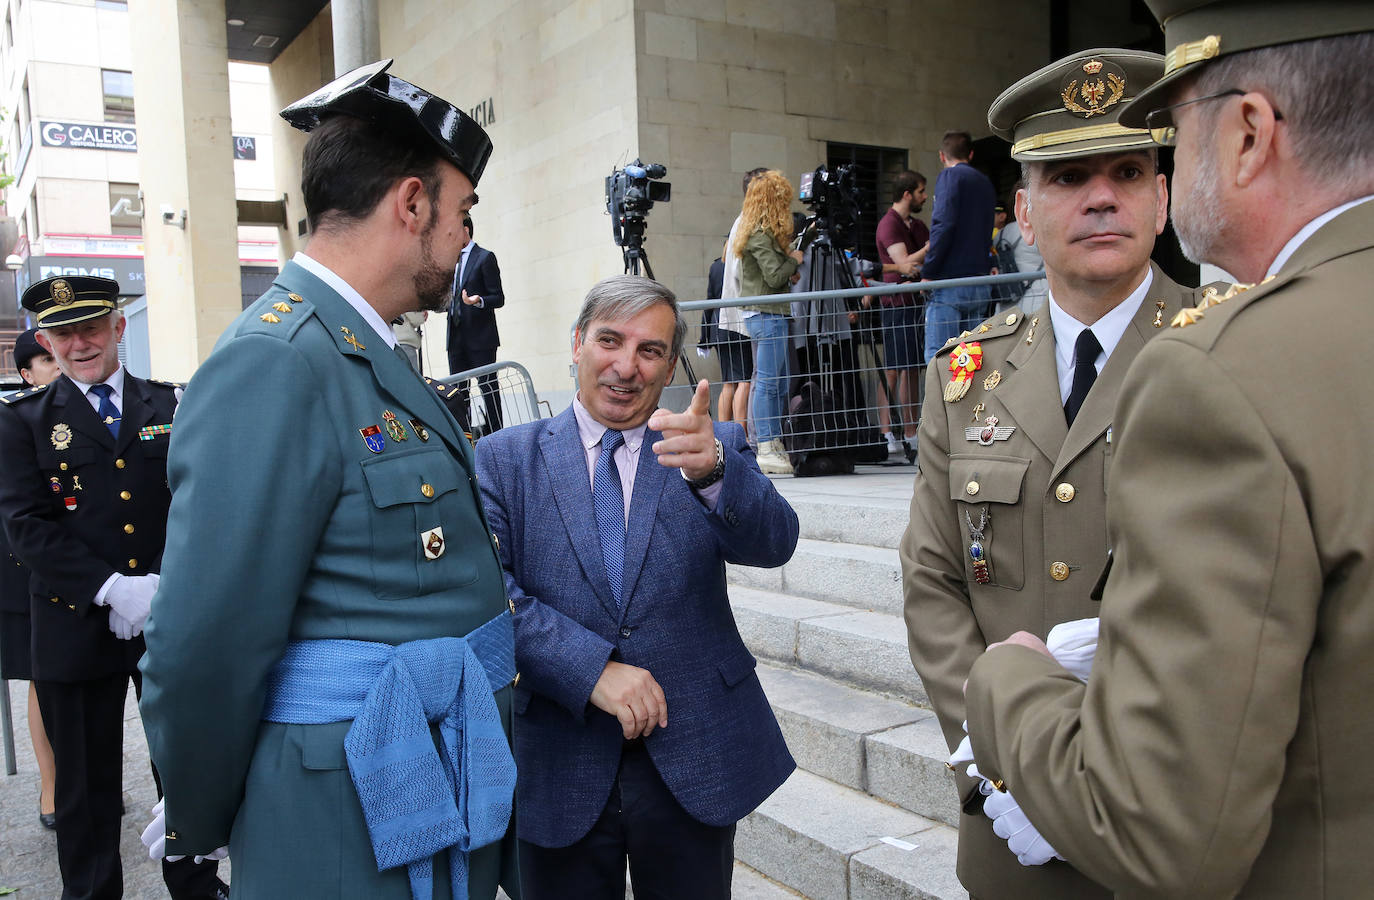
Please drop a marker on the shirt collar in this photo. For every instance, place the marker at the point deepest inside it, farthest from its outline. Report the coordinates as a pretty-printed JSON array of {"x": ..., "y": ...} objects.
[
  {"x": 115, "y": 381},
  {"x": 1108, "y": 329},
  {"x": 591, "y": 431},
  {"x": 1308, "y": 230},
  {"x": 346, "y": 291}
]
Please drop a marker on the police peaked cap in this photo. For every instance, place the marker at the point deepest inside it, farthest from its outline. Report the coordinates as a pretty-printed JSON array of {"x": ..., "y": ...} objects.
[
  {"x": 369, "y": 93},
  {"x": 26, "y": 347},
  {"x": 66, "y": 299}
]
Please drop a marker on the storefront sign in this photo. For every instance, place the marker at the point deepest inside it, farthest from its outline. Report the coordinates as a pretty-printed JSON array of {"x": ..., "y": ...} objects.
[{"x": 89, "y": 137}]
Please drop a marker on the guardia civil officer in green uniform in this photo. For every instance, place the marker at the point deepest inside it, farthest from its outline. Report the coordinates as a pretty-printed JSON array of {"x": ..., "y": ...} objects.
[
  {"x": 83, "y": 499},
  {"x": 331, "y": 603},
  {"x": 1008, "y": 517},
  {"x": 1219, "y": 746}
]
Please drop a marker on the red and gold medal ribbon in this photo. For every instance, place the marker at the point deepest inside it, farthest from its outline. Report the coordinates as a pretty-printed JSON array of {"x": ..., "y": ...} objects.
[{"x": 963, "y": 362}]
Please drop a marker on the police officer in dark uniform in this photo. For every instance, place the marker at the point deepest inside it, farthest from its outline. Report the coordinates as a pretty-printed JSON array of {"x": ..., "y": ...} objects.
[{"x": 83, "y": 498}]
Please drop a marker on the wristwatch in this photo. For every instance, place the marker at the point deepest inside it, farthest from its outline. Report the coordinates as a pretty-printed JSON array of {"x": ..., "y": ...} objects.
[{"x": 712, "y": 476}]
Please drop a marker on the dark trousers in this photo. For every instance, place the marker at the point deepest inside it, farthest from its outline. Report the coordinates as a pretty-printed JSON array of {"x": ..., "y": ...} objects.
[
  {"x": 672, "y": 856},
  {"x": 461, "y": 359},
  {"x": 85, "y": 725}
]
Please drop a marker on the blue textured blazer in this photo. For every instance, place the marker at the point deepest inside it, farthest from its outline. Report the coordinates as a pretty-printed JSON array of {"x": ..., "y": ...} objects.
[{"x": 722, "y": 753}]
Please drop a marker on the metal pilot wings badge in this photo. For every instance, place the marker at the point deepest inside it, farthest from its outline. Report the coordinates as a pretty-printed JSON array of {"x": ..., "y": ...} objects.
[{"x": 988, "y": 432}]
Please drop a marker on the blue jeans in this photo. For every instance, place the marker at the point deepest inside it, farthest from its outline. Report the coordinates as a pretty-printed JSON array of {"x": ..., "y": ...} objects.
[
  {"x": 768, "y": 400},
  {"x": 950, "y": 312}
]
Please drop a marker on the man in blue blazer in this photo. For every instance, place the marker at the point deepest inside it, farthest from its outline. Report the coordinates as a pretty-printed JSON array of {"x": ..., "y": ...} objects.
[
  {"x": 960, "y": 242},
  {"x": 642, "y": 731},
  {"x": 472, "y": 334}
]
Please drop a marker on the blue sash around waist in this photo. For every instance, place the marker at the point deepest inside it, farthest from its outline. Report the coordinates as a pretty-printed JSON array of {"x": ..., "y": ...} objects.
[{"x": 415, "y": 802}]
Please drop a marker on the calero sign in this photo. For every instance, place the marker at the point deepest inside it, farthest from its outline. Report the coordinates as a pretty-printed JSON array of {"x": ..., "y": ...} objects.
[{"x": 88, "y": 137}]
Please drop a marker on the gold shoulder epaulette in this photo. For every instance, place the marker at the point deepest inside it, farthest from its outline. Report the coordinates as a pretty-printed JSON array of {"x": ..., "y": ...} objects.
[
  {"x": 23, "y": 394},
  {"x": 997, "y": 326},
  {"x": 170, "y": 384}
]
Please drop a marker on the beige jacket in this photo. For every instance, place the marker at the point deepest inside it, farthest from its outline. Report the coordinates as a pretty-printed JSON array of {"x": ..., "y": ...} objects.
[
  {"x": 1220, "y": 748},
  {"x": 1043, "y": 489}
]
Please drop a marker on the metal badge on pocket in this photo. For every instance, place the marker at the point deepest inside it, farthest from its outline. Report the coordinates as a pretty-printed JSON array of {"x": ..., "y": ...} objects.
[{"x": 432, "y": 540}]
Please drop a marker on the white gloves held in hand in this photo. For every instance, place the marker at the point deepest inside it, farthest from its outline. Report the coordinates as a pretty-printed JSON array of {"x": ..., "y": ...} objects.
[
  {"x": 154, "y": 837},
  {"x": 130, "y": 598}
]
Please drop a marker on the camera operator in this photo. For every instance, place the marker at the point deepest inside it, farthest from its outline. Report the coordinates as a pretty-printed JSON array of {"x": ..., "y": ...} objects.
[{"x": 903, "y": 241}]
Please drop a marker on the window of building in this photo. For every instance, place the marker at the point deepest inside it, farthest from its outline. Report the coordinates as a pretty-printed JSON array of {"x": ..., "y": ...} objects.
[
  {"x": 34, "y": 233},
  {"x": 118, "y": 5},
  {"x": 127, "y": 220},
  {"x": 874, "y": 170},
  {"x": 119, "y": 95}
]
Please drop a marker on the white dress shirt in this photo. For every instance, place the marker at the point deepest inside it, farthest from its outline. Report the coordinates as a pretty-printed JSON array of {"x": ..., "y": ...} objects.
[
  {"x": 116, "y": 383},
  {"x": 1308, "y": 230},
  {"x": 1108, "y": 331}
]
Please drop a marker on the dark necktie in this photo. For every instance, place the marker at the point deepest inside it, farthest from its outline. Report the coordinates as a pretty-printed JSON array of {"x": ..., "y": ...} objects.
[
  {"x": 608, "y": 499},
  {"x": 1085, "y": 351},
  {"x": 108, "y": 413}
]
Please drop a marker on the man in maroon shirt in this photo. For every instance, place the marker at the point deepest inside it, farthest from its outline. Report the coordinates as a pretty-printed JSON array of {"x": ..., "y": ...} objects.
[{"x": 902, "y": 243}]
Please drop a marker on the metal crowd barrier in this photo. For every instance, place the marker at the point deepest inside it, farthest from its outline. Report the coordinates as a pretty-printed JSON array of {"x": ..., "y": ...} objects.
[
  {"x": 497, "y": 395},
  {"x": 840, "y": 391}
]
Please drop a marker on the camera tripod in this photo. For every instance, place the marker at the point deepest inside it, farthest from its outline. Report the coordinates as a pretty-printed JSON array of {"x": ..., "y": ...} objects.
[{"x": 632, "y": 249}]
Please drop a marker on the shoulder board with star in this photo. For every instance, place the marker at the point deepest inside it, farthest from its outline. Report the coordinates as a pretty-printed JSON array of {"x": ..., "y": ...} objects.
[
  {"x": 170, "y": 384},
  {"x": 442, "y": 389},
  {"x": 23, "y": 395},
  {"x": 278, "y": 312},
  {"x": 1001, "y": 325},
  {"x": 1208, "y": 297}
]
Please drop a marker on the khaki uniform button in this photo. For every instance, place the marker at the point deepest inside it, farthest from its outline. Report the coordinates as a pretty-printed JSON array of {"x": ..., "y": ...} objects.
[
  {"x": 129, "y": 529},
  {"x": 427, "y": 489},
  {"x": 125, "y": 495},
  {"x": 1011, "y": 319},
  {"x": 119, "y": 464},
  {"x": 1064, "y": 493},
  {"x": 971, "y": 488},
  {"x": 133, "y": 564},
  {"x": 1059, "y": 571}
]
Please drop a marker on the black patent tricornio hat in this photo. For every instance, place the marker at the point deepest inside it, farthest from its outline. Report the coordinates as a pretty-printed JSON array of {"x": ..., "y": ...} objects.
[{"x": 369, "y": 93}]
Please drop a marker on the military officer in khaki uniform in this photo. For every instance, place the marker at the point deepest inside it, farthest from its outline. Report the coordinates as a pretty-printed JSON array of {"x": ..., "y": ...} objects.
[
  {"x": 1008, "y": 519},
  {"x": 1219, "y": 746}
]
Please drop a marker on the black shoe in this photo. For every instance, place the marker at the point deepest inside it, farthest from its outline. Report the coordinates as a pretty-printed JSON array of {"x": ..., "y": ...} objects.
[{"x": 47, "y": 820}]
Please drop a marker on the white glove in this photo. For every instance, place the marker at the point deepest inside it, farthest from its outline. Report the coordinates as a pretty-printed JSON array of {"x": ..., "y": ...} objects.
[
  {"x": 154, "y": 837},
  {"x": 1011, "y": 824},
  {"x": 122, "y": 627},
  {"x": 131, "y": 596},
  {"x": 1073, "y": 645}
]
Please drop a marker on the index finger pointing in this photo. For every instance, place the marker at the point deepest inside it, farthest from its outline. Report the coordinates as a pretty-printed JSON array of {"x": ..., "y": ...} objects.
[{"x": 701, "y": 400}]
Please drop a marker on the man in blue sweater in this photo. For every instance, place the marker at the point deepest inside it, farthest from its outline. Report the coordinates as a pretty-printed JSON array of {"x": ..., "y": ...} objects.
[{"x": 960, "y": 237}]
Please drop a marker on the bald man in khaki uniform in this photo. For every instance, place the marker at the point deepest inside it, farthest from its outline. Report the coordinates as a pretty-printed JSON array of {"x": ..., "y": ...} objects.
[
  {"x": 1219, "y": 747},
  {"x": 1008, "y": 519}
]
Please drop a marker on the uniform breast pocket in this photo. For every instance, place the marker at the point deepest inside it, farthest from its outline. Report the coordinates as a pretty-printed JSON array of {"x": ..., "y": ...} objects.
[
  {"x": 425, "y": 528},
  {"x": 989, "y": 489}
]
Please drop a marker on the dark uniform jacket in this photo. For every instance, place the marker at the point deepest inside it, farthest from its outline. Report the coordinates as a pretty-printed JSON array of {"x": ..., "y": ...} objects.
[{"x": 78, "y": 506}]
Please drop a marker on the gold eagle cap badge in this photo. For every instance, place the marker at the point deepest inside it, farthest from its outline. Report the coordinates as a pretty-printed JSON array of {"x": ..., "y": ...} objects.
[
  {"x": 1093, "y": 88},
  {"x": 62, "y": 293}
]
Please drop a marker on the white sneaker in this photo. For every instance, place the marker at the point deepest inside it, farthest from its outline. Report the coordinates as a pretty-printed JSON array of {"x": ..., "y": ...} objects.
[
  {"x": 894, "y": 446},
  {"x": 773, "y": 458}
]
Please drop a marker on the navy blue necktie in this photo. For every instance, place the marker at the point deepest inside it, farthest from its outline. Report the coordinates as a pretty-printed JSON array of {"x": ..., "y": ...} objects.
[
  {"x": 608, "y": 499},
  {"x": 108, "y": 413},
  {"x": 1085, "y": 351}
]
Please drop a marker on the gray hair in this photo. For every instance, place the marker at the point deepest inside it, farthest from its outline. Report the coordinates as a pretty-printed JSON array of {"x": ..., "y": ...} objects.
[
  {"x": 623, "y": 297},
  {"x": 1324, "y": 91}
]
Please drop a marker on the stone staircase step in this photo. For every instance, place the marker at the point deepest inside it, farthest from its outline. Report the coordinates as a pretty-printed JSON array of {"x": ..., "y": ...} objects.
[
  {"x": 860, "y": 648},
  {"x": 884, "y": 747},
  {"x": 857, "y": 575},
  {"x": 825, "y": 841},
  {"x": 877, "y": 521}
]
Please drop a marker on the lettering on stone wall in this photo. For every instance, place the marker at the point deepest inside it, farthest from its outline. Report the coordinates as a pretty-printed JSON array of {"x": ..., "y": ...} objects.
[{"x": 484, "y": 113}]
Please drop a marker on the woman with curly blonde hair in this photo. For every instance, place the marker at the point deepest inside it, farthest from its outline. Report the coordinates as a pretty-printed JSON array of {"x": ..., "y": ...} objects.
[{"x": 766, "y": 266}]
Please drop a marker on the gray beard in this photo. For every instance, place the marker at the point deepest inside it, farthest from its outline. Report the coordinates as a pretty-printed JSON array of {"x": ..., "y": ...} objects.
[{"x": 1197, "y": 223}]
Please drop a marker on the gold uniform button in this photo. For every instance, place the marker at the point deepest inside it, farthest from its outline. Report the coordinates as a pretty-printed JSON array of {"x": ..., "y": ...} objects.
[
  {"x": 1011, "y": 319},
  {"x": 119, "y": 464},
  {"x": 125, "y": 495},
  {"x": 972, "y": 488},
  {"x": 129, "y": 529},
  {"x": 133, "y": 564},
  {"x": 1059, "y": 571},
  {"x": 427, "y": 489},
  {"x": 1064, "y": 493},
  {"x": 63, "y": 467}
]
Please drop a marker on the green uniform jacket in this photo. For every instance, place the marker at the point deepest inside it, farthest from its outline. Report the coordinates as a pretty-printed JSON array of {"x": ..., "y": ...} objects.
[
  {"x": 1043, "y": 489},
  {"x": 1220, "y": 747},
  {"x": 284, "y": 526}
]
